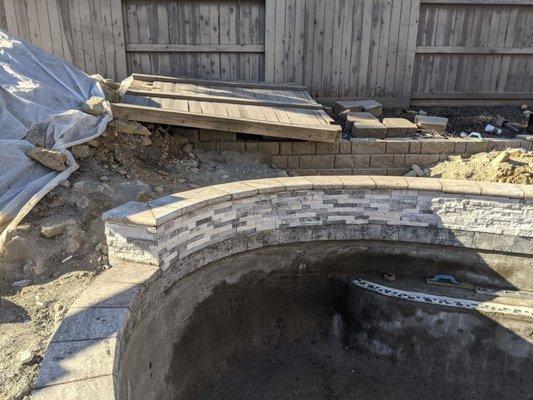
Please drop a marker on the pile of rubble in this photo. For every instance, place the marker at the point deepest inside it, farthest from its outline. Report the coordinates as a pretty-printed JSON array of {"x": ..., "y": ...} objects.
[
  {"x": 360, "y": 119},
  {"x": 508, "y": 166}
]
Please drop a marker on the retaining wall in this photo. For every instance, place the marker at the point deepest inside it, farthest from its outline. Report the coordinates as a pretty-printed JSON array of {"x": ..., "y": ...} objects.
[
  {"x": 355, "y": 156},
  {"x": 153, "y": 244}
]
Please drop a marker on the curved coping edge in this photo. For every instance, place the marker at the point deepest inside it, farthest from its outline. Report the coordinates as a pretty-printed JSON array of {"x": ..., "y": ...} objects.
[{"x": 159, "y": 211}]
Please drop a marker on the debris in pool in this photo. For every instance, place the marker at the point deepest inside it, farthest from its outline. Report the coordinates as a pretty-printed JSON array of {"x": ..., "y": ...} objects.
[{"x": 389, "y": 277}]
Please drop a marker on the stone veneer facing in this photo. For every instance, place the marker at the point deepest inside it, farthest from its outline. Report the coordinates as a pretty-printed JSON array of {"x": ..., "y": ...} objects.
[
  {"x": 82, "y": 360},
  {"x": 165, "y": 230}
]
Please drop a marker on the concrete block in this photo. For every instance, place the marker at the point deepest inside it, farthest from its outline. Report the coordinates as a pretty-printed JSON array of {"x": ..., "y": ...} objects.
[
  {"x": 317, "y": 161},
  {"x": 382, "y": 160},
  {"x": 327, "y": 148},
  {"x": 370, "y": 106},
  {"x": 349, "y": 117},
  {"x": 476, "y": 146},
  {"x": 368, "y": 146},
  {"x": 334, "y": 171},
  {"x": 133, "y": 213},
  {"x": 285, "y": 148},
  {"x": 436, "y": 146},
  {"x": 303, "y": 148},
  {"x": 414, "y": 146},
  {"x": 293, "y": 162},
  {"x": 369, "y": 171},
  {"x": 345, "y": 146},
  {"x": 192, "y": 134},
  {"x": 209, "y": 135},
  {"x": 398, "y": 127},
  {"x": 435, "y": 124},
  {"x": 271, "y": 148},
  {"x": 421, "y": 159},
  {"x": 233, "y": 146},
  {"x": 352, "y": 161},
  {"x": 397, "y": 171},
  {"x": 280, "y": 161},
  {"x": 365, "y": 126},
  {"x": 397, "y": 146},
  {"x": 350, "y": 105}
]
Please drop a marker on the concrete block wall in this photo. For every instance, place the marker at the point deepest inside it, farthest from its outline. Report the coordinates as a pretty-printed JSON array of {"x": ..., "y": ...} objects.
[{"x": 361, "y": 156}]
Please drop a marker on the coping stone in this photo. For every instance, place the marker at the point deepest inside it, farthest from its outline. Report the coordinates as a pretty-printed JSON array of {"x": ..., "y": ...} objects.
[
  {"x": 265, "y": 186},
  {"x": 501, "y": 190},
  {"x": 325, "y": 182},
  {"x": 357, "y": 182},
  {"x": 424, "y": 184},
  {"x": 390, "y": 182},
  {"x": 63, "y": 360},
  {"x": 101, "y": 388},
  {"x": 131, "y": 213},
  {"x": 460, "y": 187},
  {"x": 237, "y": 190}
]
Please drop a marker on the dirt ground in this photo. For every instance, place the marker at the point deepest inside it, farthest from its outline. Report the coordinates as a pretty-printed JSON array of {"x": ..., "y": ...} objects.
[
  {"x": 465, "y": 119},
  {"x": 116, "y": 169}
]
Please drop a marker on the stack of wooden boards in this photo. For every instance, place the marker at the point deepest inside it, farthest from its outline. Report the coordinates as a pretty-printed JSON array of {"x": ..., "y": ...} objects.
[{"x": 286, "y": 111}]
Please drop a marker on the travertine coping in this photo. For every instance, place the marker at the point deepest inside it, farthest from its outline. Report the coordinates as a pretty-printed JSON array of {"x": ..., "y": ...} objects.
[{"x": 176, "y": 232}]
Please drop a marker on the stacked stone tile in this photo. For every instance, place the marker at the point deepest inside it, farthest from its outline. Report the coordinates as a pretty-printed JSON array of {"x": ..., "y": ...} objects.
[{"x": 181, "y": 233}]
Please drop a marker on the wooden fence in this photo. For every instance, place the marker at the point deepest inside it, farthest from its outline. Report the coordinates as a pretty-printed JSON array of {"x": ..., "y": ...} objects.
[{"x": 394, "y": 50}]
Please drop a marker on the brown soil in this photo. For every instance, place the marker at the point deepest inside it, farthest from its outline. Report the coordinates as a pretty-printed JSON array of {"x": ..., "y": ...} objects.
[{"x": 121, "y": 168}]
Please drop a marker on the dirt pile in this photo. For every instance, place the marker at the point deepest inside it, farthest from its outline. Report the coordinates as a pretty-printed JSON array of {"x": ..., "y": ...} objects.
[
  {"x": 510, "y": 166},
  {"x": 60, "y": 246}
]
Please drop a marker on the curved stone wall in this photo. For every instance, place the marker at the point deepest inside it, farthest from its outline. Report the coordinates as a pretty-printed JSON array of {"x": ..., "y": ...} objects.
[{"x": 165, "y": 239}]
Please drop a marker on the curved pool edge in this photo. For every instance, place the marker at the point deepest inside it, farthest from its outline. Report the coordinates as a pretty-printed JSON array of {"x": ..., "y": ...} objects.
[{"x": 83, "y": 358}]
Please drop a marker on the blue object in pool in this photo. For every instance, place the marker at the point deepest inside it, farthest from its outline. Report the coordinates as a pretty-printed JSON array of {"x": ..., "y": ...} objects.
[{"x": 445, "y": 278}]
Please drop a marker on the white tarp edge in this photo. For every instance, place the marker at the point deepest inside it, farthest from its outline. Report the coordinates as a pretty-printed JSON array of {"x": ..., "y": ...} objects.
[{"x": 44, "y": 94}]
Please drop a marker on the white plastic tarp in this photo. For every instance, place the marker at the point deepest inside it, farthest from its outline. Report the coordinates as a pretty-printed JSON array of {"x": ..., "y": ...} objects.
[{"x": 41, "y": 92}]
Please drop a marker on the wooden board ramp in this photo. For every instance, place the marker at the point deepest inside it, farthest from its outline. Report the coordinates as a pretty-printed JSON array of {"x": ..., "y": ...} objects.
[{"x": 278, "y": 110}]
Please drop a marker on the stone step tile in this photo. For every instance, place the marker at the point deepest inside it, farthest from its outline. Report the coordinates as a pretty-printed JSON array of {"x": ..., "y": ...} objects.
[
  {"x": 399, "y": 127},
  {"x": 434, "y": 124},
  {"x": 367, "y": 128}
]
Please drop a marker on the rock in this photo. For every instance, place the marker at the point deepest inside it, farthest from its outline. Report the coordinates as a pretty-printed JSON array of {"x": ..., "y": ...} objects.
[
  {"x": 131, "y": 128},
  {"x": 186, "y": 148},
  {"x": 422, "y": 112},
  {"x": 500, "y": 158},
  {"x": 527, "y": 113},
  {"x": 26, "y": 356},
  {"x": 146, "y": 141},
  {"x": 181, "y": 180},
  {"x": 111, "y": 95},
  {"x": 103, "y": 178},
  {"x": 54, "y": 228},
  {"x": 434, "y": 124},
  {"x": 22, "y": 283},
  {"x": 65, "y": 184},
  {"x": 93, "y": 143},
  {"x": 49, "y": 158},
  {"x": 112, "y": 84},
  {"x": 94, "y": 106},
  {"x": 524, "y": 107},
  {"x": 159, "y": 189},
  {"x": 74, "y": 238},
  {"x": 16, "y": 249},
  {"x": 417, "y": 170},
  {"x": 411, "y": 173},
  {"x": 36, "y": 136},
  {"x": 81, "y": 151},
  {"x": 33, "y": 268}
]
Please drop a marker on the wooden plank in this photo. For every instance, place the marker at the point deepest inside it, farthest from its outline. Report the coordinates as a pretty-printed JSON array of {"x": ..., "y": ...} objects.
[
  {"x": 117, "y": 23},
  {"x": 471, "y": 95},
  {"x": 321, "y": 133},
  {"x": 10, "y": 14},
  {"x": 224, "y": 99},
  {"x": 194, "y": 48},
  {"x": 362, "y": 82},
  {"x": 411, "y": 50},
  {"x": 260, "y": 85},
  {"x": 473, "y": 50},
  {"x": 270, "y": 32}
]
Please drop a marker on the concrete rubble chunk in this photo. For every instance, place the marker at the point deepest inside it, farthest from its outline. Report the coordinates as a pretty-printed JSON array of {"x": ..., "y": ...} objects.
[
  {"x": 94, "y": 106},
  {"x": 54, "y": 228},
  {"x": 131, "y": 127},
  {"x": 81, "y": 151},
  {"x": 370, "y": 106},
  {"x": 398, "y": 127},
  {"x": 49, "y": 158},
  {"x": 434, "y": 124},
  {"x": 26, "y": 356}
]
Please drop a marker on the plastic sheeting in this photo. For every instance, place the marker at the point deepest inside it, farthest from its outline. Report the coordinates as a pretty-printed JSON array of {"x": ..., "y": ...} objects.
[{"x": 44, "y": 94}]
